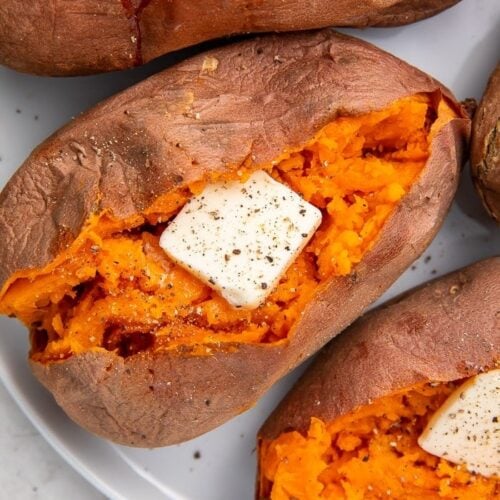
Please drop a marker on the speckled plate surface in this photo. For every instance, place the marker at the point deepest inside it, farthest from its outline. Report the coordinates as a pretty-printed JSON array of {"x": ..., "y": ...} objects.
[{"x": 459, "y": 47}]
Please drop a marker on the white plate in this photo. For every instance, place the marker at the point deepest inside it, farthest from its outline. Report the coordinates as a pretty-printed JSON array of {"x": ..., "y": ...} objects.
[{"x": 460, "y": 47}]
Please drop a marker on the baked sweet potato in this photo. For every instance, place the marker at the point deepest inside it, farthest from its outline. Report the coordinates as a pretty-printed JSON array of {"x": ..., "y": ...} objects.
[
  {"x": 137, "y": 349},
  {"x": 92, "y": 36},
  {"x": 349, "y": 427},
  {"x": 485, "y": 149}
]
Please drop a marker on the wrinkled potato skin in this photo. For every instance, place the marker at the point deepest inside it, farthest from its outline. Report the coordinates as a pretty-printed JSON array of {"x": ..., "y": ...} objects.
[
  {"x": 445, "y": 330},
  {"x": 75, "y": 37},
  {"x": 485, "y": 150},
  {"x": 169, "y": 131}
]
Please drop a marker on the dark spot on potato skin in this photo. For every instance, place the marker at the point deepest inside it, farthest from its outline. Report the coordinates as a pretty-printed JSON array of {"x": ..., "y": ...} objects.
[
  {"x": 361, "y": 351},
  {"x": 412, "y": 322},
  {"x": 139, "y": 158},
  {"x": 353, "y": 277}
]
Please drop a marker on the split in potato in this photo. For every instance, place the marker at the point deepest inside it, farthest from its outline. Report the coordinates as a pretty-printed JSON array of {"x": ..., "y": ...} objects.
[{"x": 116, "y": 289}]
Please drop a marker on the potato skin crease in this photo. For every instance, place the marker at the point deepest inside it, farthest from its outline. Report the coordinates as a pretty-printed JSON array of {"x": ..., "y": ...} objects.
[
  {"x": 485, "y": 148},
  {"x": 436, "y": 333},
  {"x": 91, "y": 36},
  {"x": 169, "y": 131}
]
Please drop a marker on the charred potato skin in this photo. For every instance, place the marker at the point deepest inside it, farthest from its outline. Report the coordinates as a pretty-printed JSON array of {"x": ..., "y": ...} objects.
[
  {"x": 485, "y": 149},
  {"x": 445, "y": 330},
  {"x": 92, "y": 36},
  {"x": 167, "y": 132}
]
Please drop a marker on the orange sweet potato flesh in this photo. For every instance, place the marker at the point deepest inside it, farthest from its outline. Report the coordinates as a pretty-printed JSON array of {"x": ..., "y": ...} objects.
[
  {"x": 370, "y": 453},
  {"x": 349, "y": 428},
  {"x": 59, "y": 38},
  {"x": 117, "y": 328},
  {"x": 116, "y": 288}
]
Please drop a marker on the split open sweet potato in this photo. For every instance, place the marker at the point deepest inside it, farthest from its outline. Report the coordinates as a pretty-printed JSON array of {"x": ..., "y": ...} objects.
[
  {"x": 93, "y": 36},
  {"x": 349, "y": 427},
  {"x": 485, "y": 150},
  {"x": 136, "y": 348}
]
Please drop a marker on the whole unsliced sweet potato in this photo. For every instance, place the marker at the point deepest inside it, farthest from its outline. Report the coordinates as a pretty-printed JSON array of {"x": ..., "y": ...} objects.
[
  {"x": 350, "y": 425},
  {"x": 138, "y": 350},
  {"x": 92, "y": 36},
  {"x": 485, "y": 149}
]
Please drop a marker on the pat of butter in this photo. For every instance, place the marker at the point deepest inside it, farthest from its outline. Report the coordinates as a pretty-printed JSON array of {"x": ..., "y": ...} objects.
[
  {"x": 240, "y": 238},
  {"x": 466, "y": 428}
]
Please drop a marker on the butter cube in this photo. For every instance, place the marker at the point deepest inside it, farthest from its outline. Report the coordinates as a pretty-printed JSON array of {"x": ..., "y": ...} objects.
[
  {"x": 466, "y": 429},
  {"x": 240, "y": 238}
]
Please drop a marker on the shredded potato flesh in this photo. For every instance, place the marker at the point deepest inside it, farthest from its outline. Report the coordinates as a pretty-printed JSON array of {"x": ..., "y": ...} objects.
[
  {"x": 114, "y": 288},
  {"x": 370, "y": 453}
]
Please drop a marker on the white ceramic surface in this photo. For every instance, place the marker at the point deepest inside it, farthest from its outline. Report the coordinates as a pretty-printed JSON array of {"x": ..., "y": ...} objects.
[
  {"x": 29, "y": 468},
  {"x": 460, "y": 47}
]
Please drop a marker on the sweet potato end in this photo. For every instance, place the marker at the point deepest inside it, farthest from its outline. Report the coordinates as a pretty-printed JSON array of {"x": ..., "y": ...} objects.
[{"x": 485, "y": 149}]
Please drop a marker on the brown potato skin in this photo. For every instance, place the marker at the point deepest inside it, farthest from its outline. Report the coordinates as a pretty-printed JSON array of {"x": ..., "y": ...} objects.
[
  {"x": 167, "y": 132},
  {"x": 75, "y": 37},
  {"x": 485, "y": 148},
  {"x": 445, "y": 330}
]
